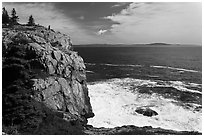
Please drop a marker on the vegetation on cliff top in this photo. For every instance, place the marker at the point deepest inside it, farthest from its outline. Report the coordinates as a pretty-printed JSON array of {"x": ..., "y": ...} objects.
[{"x": 14, "y": 19}]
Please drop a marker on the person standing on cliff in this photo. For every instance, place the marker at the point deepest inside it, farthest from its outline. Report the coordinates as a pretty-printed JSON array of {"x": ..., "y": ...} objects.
[{"x": 70, "y": 43}]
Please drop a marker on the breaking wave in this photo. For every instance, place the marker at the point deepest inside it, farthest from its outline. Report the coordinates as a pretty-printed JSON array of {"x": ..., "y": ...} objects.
[
  {"x": 89, "y": 71},
  {"x": 91, "y": 64},
  {"x": 179, "y": 85},
  {"x": 114, "y": 103},
  {"x": 179, "y": 69},
  {"x": 151, "y": 66},
  {"x": 114, "y": 65},
  {"x": 122, "y": 65}
]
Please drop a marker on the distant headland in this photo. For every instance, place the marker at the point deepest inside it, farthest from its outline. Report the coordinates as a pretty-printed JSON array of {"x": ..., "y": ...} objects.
[{"x": 158, "y": 44}]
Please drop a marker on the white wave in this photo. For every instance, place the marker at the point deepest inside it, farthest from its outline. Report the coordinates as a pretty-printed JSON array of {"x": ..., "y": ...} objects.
[
  {"x": 114, "y": 105},
  {"x": 183, "y": 87},
  {"x": 153, "y": 76},
  {"x": 115, "y": 65},
  {"x": 122, "y": 65},
  {"x": 91, "y": 64},
  {"x": 88, "y": 71},
  {"x": 195, "y": 85},
  {"x": 179, "y": 85},
  {"x": 179, "y": 69}
]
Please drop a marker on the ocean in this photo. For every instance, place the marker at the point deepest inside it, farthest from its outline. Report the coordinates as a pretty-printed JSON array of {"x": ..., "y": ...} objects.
[{"x": 168, "y": 80}]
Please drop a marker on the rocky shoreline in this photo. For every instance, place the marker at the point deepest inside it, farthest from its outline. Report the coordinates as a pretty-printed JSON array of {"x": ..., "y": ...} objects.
[
  {"x": 47, "y": 92},
  {"x": 134, "y": 130}
]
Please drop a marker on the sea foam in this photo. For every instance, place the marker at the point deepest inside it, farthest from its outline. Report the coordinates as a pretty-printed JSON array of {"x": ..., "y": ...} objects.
[
  {"x": 114, "y": 105},
  {"x": 115, "y": 65},
  {"x": 181, "y": 70},
  {"x": 173, "y": 68}
]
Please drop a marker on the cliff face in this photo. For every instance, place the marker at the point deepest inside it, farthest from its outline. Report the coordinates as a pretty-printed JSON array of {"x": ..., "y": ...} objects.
[{"x": 60, "y": 79}]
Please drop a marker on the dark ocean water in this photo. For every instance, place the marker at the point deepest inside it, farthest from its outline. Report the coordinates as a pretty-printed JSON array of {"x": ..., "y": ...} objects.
[
  {"x": 171, "y": 75},
  {"x": 143, "y": 62}
]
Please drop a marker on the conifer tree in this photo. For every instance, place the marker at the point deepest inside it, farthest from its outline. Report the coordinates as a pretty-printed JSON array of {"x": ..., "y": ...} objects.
[
  {"x": 5, "y": 16},
  {"x": 31, "y": 21},
  {"x": 14, "y": 18}
]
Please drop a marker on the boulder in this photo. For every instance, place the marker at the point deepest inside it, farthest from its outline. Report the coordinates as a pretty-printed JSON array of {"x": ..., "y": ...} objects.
[
  {"x": 35, "y": 46},
  {"x": 57, "y": 39},
  {"x": 50, "y": 68},
  {"x": 38, "y": 39},
  {"x": 146, "y": 111},
  {"x": 56, "y": 55}
]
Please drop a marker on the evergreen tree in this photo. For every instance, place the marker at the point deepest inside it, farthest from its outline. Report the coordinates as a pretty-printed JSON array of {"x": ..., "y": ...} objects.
[
  {"x": 5, "y": 16},
  {"x": 14, "y": 17},
  {"x": 31, "y": 21}
]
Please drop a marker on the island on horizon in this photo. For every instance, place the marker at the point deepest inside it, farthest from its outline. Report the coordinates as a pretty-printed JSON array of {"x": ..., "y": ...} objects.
[{"x": 139, "y": 45}]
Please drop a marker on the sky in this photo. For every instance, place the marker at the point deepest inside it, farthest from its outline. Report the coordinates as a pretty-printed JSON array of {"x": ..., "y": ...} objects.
[{"x": 117, "y": 22}]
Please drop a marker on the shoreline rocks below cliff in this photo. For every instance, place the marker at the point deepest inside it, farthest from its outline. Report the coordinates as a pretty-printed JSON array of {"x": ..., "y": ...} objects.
[
  {"x": 146, "y": 111},
  {"x": 133, "y": 130}
]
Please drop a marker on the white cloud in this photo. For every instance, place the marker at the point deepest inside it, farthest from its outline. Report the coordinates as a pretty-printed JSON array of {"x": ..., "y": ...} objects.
[
  {"x": 81, "y": 17},
  {"x": 158, "y": 22},
  {"x": 119, "y": 4},
  {"x": 101, "y": 31}
]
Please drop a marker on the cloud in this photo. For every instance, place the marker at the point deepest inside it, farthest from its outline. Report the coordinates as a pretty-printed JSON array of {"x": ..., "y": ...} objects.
[
  {"x": 119, "y": 4},
  {"x": 81, "y": 17},
  {"x": 158, "y": 22},
  {"x": 101, "y": 31}
]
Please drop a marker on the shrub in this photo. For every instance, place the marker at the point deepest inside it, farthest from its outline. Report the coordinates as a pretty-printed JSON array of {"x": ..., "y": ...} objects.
[{"x": 31, "y": 21}]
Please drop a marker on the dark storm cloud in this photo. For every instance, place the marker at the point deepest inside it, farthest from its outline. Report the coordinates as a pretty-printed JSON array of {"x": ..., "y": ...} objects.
[{"x": 91, "y": 13}]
